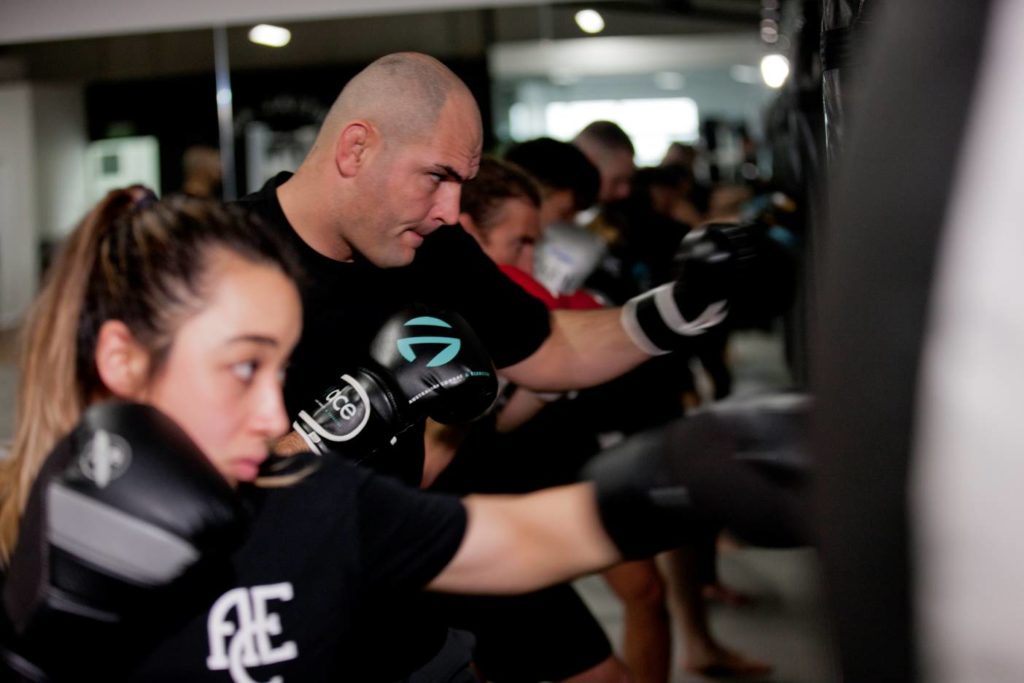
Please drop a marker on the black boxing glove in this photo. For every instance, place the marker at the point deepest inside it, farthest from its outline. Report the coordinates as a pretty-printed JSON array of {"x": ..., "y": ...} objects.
[
  {"x": 739, "y": 466},
  {"x": 125, "y": 510},
  {"x": 438, "y": 363},
  {"x": 724, "y": 270},
  {"x": 423, "y": 364},
  {"x": 764, "y": 282}
]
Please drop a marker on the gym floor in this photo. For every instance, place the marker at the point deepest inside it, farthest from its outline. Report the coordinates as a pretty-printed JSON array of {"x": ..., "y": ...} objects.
[{"x": 785, "y": 623}]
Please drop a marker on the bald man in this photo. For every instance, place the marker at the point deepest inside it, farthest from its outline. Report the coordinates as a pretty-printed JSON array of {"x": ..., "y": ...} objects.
[
  {"x": 370, "y": 213},
  {"x": 608, "y": 147}
]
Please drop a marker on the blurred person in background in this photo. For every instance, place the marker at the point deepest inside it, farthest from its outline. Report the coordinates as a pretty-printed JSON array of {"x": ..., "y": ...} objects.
[{"x": 201, "y": 172}]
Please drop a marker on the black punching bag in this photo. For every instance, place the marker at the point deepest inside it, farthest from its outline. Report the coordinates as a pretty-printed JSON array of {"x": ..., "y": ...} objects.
[{"x": 899, "y": 168}]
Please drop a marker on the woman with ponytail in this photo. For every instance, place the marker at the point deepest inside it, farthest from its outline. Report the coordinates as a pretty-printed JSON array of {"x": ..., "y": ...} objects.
[
  {"x": 190, "y": 309},
  {"x": 131, "y": 260}
]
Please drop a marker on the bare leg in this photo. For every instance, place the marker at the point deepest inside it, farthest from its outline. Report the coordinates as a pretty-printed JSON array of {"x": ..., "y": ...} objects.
[
  {"x": 719, "y": 592},
  {"x": 714, "y": 590},
  {"x": 702, "y": 654},
  {"x": 647, "y": 636},
  {"x": 611, "y": 670}
]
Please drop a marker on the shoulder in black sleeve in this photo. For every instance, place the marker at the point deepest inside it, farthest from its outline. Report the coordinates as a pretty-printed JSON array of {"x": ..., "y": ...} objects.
[
  {"x": 408, "y": 536},
  {"x": 511, "y": 323}
]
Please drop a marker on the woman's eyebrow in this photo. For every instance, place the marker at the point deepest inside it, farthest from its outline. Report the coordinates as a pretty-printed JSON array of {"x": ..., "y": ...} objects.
[{"x": 254, "y": 339}]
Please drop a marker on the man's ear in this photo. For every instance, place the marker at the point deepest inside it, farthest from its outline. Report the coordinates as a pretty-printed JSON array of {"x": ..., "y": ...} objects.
[
  {"x": 121, "y": 361},
  {"x": 350, "y": 151}
]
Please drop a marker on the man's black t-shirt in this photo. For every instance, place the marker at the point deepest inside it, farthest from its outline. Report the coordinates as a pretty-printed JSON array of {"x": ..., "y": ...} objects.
[
  {"x": 321, "y": 553},
  {"x": 345, "y": 304}
]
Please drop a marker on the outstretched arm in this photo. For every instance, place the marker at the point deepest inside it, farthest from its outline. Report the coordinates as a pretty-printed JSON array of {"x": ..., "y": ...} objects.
[
  {"x": 513, "y": 546},
  {"x": 725, "y": 271},
  {"x": 585, "y": 348},
  {"x": 741, "y": 467}
]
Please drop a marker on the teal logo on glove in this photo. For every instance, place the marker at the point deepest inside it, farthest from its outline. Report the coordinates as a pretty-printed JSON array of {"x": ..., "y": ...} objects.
[{"x": 452, "y": 344}]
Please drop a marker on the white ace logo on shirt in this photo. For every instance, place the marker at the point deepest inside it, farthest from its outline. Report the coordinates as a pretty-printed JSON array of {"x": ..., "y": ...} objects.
[{"x": 239, "y": 628}]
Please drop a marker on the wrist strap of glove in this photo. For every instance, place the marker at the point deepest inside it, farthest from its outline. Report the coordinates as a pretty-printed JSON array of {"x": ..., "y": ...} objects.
[
  {"x": 654, "y": 323},
  {"x": 339, "y": 417}
]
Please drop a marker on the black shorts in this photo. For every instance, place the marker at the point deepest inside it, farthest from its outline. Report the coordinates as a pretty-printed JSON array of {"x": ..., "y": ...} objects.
[{"x": 547, "y": 635}]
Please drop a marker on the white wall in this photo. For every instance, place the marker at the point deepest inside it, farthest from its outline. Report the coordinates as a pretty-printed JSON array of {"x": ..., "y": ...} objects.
[
  {"x": 18, "y": 214},
  {"x": 59, "y": 117},
  {"x": 42, "y": 182},
  {"x": 532, "y": 75},
  {"x": 608, "y": 55}
]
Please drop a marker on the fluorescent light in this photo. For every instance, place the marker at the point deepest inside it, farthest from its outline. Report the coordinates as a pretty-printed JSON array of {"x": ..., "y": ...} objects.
[
  {"x": 590, "y": 21},
  {"x": 774, "y": 70},
  {"x": 271, "y": 36}
]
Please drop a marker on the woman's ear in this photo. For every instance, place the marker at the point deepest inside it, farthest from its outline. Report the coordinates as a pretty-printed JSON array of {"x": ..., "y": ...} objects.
[
  {"x": 122, "y": 362},
  {"x": 352, "y": 146}
]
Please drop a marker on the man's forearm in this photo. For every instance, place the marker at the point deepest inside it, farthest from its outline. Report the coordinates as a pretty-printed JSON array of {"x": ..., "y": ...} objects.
[{"x": 584, "y": 348}]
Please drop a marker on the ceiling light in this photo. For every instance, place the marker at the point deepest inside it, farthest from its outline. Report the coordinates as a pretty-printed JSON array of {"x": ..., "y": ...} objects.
[
  {"x": 590, "y": 21},
  {"x": 774, "y": 70},
  {"x": 271, "y": 36}
]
